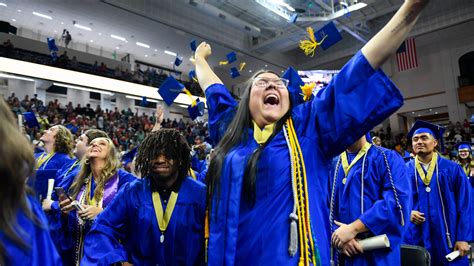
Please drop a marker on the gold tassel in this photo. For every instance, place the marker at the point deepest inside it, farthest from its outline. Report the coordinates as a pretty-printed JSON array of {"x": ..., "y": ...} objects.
[
  {"x": 309, "y": 46},
  {"x": 193, "y": 102},
  {"x": 242, "y": 65},
  {"x": 307, "y": 90},
  {"x": 222, "y": 63}
]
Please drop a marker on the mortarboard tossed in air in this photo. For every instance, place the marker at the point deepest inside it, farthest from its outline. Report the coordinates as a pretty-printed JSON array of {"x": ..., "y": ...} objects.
[
  {"x": 178, "y": 60},
  {"x": 193, "y": 45},
  {"x": 231, "y": 58},
  {"x": 129, "y": 156},
  {"x": 234, "y": 72},
  {"x": 421, "y": 126},
  {"x": 196, "y": 109},
  {"x": 324, "y": 37},
  {"x": 31, "y": 120},
  {"x": 192, "y": 76},
  {"x": 170, "y": 89}
]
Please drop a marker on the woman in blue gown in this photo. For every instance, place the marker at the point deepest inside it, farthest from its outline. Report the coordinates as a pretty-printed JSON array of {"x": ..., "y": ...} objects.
[
  {"x": 24, "y": 237},
  {"x": 269, "y": 176},
  {"x": 98, "y": 182}
]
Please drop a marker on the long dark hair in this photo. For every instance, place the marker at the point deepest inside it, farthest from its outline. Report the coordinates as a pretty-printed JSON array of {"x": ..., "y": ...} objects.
[
  {"x": 237, "y": 133},
  {"x": 16, "y": 164},
  {"x": 171, "y": 144}
]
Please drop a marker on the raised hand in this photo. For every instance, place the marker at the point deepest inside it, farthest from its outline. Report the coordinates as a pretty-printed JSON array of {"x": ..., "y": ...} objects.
[{"x": 203, "y": 51}]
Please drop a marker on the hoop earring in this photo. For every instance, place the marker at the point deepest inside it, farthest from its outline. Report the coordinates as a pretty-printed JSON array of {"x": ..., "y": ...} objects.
[{"x": 87, "y": 162}]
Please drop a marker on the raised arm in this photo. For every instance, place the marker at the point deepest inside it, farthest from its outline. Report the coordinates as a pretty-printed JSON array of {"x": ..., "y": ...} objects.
[
  {"x": 159, "y": 118},
  {"x": 386, "y": 42},
  {"x": 204, "y": 73}
]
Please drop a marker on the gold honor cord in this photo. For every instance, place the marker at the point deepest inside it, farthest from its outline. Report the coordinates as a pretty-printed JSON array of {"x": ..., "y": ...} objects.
[
  {"x": 44, "y": 159},
  {"x": 345, "y": 163},
  {"x": 426, "y": 178},
  {"x": 163, "y": 219},
  {"x": 307, "y": 248}
]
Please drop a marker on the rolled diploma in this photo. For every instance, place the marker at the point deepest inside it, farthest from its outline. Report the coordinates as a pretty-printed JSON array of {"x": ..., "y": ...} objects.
[
  {"x": 50, "y": 188},
  {"x": 453, "y": 255},
  {"x": 375, "y": 242}
]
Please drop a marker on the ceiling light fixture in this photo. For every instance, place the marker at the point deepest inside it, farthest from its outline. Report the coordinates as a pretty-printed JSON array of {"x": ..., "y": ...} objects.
[
  {"x": 13, "y": 19},
  {"x": 278, "y": 7},
  {"x": 91, "y": 40},
  {"x": 118, "y": 38},
  {"x": 146, "y": 55},
  {"x": 142, "y": 44},
  {"x": 3, "y": 4},
  {"x": 18, "y": 10},
  {"x": 42, "y": 15},
  {"x": 82, "y": 27},
  {"x": 170, "y": 53}
]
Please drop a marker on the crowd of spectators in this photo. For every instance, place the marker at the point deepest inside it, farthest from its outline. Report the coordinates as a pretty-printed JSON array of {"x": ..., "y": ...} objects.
[
  {"x": 126, "y": 128},
  {"x": 455, "y": 133},
  {"x": 144, "y": 75}
]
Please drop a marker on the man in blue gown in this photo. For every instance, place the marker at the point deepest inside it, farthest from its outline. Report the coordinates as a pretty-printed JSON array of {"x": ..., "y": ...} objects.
[
  {"x": 158, "y": 219},
  {"x": 440, "y": 219},
  {"x": 371, "y": 195}
]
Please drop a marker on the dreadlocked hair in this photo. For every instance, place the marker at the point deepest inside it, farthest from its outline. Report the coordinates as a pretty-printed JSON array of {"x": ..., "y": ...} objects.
[{"x": 167, "y": 142}]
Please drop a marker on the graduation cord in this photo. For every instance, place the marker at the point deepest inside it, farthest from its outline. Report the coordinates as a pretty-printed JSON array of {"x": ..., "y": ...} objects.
[
  {"x": 309, "y": 253},
  {"x": 448, "y": 235},
  {"x": 43, "y": 161},
  {"x": 293, "y": 246},
  {"x": 395, "y": 193}
]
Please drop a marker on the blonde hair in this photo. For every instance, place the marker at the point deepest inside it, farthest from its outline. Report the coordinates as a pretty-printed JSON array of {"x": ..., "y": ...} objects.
[
  {"x": 112, "y": 164},
  {"x": 63, "y": 141}
]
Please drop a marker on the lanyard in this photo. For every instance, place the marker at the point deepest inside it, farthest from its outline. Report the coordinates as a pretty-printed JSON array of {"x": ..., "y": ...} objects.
[
  {"x": 345, "y": 163},
  {"x": 163, "y": 219},
  {"x": 72, "y": 166},
  {"x": 43, "y": 160},
  {"x": 426, "y": 178},
  {"x": 86, "y": 199}
]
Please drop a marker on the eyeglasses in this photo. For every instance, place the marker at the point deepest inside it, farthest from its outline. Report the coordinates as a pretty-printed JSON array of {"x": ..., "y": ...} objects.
[{"x": 265, "y": 82}]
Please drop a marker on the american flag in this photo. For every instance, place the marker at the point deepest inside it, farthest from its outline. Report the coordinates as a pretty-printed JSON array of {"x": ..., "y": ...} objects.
[{"x": 406, "y": 55}]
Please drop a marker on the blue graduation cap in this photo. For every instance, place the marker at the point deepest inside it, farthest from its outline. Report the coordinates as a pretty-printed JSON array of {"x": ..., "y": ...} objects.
[
  {"x": 196, "y": 110},
  {"x": 170, "y": 89},
  {"x": 294, "y": 86},
  {"x": 464, "y": 145},
  {"x": 293, "y": 18},
  {"x": 178, "y": 60},
  {"x": 193, "y": 45},
  {"x": 192, "y": 75},
  {"x": 231, "y": 58},
  {"x": 330, "y": 34},
  {"x": 31, "y": 120},
  {"x": 421, "y": 126},
  {"x": 234, "y": 72},
  {"x": 129, "y": 156}
]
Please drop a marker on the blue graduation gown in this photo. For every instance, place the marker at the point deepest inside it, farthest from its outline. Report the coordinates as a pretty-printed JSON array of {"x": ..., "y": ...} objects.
[
  {"x": 431, "y": 234},
  {"x": 41, "y": 248},
  {"x": 356, "y": 100},
  {"x": 128, "y": 230},
  {"x": 200, "y": 168},
  {"x": 64, "y": 178},
  {"x": 56, "y": 162},
  {"x": 380, "y": 215},
  {"x": 67, "y": 239}
]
